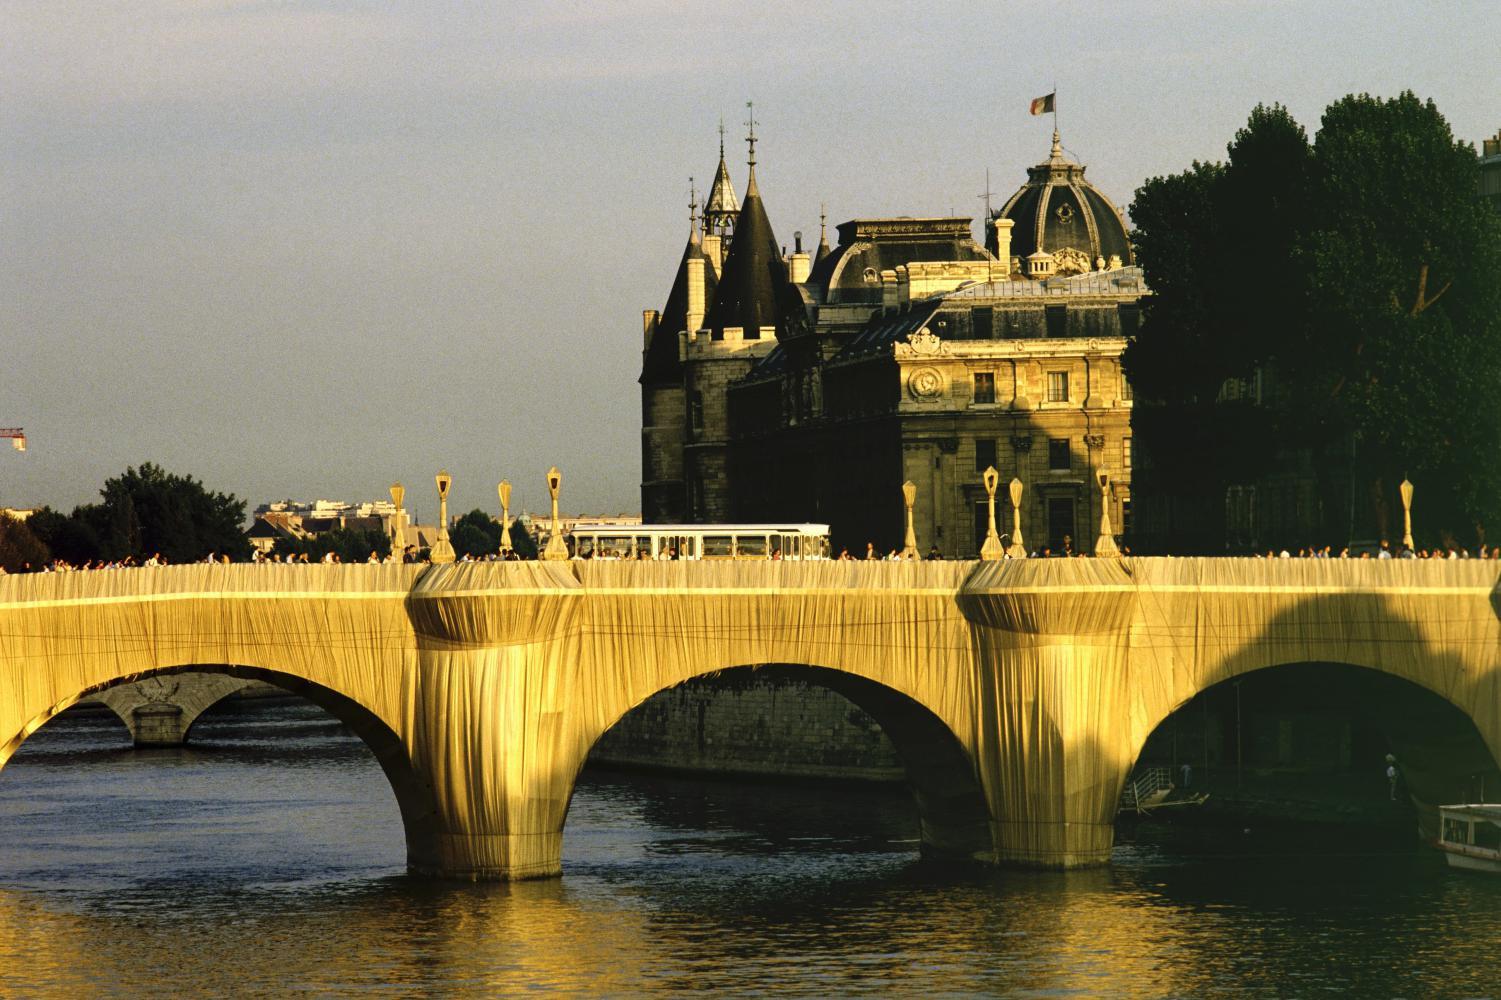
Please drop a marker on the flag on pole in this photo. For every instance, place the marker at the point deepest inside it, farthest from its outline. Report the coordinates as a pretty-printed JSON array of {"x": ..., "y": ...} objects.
[{"x": 1043, "y": 105}]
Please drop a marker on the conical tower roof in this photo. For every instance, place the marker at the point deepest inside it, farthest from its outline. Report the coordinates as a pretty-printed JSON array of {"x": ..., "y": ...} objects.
[
  {"x": 823, "y": 237},
  {"x": 721, "y": 210},
  {"x": 754, "y": 279},
  {"x": 661, "y": 363}
]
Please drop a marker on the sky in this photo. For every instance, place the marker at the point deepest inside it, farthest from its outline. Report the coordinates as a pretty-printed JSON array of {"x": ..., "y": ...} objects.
[{"x": 306, "y": 249}]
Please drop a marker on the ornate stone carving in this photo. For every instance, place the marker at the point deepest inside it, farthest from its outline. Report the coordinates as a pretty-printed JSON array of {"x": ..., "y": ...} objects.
[
  {"x": 1071, "y": 261},
  {"x": 1095, "y": 441},
  {"x": 1021, "y": 443},
  {"x": 925, "y": 383},
  {"x": 922, "y": 344}
]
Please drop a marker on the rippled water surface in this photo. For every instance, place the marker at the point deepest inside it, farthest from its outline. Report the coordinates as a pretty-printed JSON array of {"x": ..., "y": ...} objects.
[{"x": 268, "y": 859}]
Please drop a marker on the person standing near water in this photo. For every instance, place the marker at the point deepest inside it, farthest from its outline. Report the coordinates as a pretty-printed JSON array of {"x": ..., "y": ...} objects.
[{"x": 1391, "y": 776}]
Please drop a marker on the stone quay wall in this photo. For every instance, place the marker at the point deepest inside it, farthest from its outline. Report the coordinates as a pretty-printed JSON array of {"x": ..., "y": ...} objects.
[{"x": 760, "y": 727}]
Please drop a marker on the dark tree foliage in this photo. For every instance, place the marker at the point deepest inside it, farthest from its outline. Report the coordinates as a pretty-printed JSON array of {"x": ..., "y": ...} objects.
[
  {"x": 477, "y": 534},
  {"x": 21, "y": 551},
  {"x": 1360, "y": 276},
  {"x": 146, "y": 511},
  {"x": 349, "y": 544}
]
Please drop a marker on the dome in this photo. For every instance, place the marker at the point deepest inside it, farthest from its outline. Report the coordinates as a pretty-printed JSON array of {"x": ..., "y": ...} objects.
[{"x": 1059, "y": 212}]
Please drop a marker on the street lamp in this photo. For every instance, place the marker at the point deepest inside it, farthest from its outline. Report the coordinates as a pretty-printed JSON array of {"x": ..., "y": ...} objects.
[
  {"x": 398, "y": 537},
  {"x": 909, "y": 497},
  {"x": 504, "y": 490},
  {"x": 1406, "y": 490},
  {"x": 555, "y": 550},
  {"x": 991, "y": 550},
  {"x": 442, "y": 549},
  {"x": 1105, "y": 544},
  {"x": 1018, "y": 548}
]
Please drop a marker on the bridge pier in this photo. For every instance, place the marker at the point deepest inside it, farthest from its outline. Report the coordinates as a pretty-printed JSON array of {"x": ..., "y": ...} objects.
[
  {"x": 1054, "y": 742},
  {"x": 498, "y": 760}
]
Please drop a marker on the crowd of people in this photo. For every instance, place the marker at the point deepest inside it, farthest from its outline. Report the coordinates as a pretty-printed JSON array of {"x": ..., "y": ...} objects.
[{"x": 1064, "y": 551}]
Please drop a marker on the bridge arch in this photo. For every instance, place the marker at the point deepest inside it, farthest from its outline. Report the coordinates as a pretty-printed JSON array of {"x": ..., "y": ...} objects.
[
  {"x": 1426, "y": 677},
  {"x": 414, "y": 796},
  {"x": 939, "y": 772}
]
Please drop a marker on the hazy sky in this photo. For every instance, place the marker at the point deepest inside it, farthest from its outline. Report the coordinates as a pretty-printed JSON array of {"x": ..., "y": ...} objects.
[{"x": 305, "y": 249}]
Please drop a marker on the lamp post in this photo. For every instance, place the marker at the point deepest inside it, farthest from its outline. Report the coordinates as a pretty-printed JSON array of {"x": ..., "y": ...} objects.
[
  {"x": 1018, "y": 548},
  {"x": 398, "y": 537},
  {"x": 1105, "y": 544},
  {"x": 1406, "y": 491},
  {"x": 991, "y": 550},
  {"x": 909, "y": 497},
  {"x": 442, "y": 548},
  {"x": 504, "y": 490},
  {"x": 555, "y": 550}
]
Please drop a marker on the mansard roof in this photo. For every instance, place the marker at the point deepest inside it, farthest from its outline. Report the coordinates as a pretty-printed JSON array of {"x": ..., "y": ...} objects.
[
  {"x": 661, "y": 363},
  {"x": 753, "y": 286},
  {"x": 851, "y": 272}
]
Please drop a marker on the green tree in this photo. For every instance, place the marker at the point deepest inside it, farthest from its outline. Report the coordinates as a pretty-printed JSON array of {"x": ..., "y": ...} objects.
[
  {"x": 71, "y": 538},
  {"x": 149, "y": 510},
  {"x": 20, "y": 549},
  {"x": 349, "y": 544},
  {"x": 1357, "y": 278}
]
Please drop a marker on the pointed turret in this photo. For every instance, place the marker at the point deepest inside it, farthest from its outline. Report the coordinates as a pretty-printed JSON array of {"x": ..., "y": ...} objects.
[
  {"x": 823, "y": 236},
  {"x": 753, "y": 286},
  {"x": 721, "y": 210},
  {"x": 684, "y": 303}
]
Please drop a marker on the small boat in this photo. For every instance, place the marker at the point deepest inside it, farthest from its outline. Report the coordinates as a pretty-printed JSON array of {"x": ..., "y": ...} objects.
[{"x": 1470, "y": 836}]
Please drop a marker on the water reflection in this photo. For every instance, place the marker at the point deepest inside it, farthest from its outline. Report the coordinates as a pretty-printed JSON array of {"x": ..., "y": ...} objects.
[{"x": 268, "y": 859}]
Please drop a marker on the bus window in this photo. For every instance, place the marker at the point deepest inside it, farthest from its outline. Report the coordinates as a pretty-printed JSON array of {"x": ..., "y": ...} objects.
[
  {"x": 750, "y": 546},
  {"x": 717, "y": 546}
]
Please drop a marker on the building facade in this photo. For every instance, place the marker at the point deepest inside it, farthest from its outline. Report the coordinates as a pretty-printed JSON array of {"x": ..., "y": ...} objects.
[{"x": 809, "y": 386}]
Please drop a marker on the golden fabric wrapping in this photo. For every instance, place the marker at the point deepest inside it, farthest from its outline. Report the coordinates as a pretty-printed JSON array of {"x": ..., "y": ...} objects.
[{"x": 1018, "y": 693}]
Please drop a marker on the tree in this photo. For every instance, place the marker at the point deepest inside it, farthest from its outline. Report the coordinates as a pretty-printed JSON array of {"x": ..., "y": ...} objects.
[
  {"x": 349, "y": 544},
  {"x": 144, "y": 511},
  {"x": 20, "y": 549},
  {"x": 150, "y": 510},
  {"x": 1355, "y": 280}
]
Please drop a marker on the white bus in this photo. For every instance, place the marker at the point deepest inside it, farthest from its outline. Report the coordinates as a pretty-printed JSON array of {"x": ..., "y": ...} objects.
[{"x": 701, "y": 541}]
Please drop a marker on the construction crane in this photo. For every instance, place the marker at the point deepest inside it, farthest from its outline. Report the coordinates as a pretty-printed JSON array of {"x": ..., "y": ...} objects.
[{"x": 17, "y": 437}]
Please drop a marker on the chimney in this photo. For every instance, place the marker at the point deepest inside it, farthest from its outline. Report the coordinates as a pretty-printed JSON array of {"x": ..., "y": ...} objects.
[
  {"x": 1003, "y": 244},
  {"x": 799, "y": 264},
  {"x": 888, "y": 290},
  {"x": 714, "y": 250},
  {"x": 695, "y": 292},
  {"x": 1491, "y": 147},
  {"x": 649, "y": 319}
]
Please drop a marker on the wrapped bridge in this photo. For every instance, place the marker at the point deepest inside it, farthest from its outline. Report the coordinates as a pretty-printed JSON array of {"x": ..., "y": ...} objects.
[{"x": 1018, "y": 694}]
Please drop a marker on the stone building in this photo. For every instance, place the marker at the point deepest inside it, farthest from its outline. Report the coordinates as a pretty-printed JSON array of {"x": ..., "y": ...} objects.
[
  {"x": 1490, "y": 169},
  {"x": 809, "y": 386}
]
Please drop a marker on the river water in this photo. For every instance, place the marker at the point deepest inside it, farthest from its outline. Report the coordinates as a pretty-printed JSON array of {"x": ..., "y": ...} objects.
[{"x": 267, "y": 860}]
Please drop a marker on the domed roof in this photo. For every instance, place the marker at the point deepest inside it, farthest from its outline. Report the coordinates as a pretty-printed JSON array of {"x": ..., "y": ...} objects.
[{"x": 1060, "y": 212}]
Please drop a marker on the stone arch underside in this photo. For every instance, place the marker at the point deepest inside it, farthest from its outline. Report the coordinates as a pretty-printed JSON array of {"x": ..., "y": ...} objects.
[
  {"x": 160, "y": 710},
  {"x": 413, "y": 794},
  {"x": 1442, "y": 754},
  {"x": 939, "y": 772}
]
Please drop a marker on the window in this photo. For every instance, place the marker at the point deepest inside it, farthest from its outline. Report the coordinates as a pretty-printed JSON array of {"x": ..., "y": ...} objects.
[
  {"x": 1125, "y": 453},
  {"x": 1057, "y": 387},
  {"x": 1126, "y": 517},
  {"x": 1059, "y": 457},
  {"x": 984, "y": 387},
  {"x": 1061, "y": 525},
  {"x": 1057, "y": 319},
  {"x": 696, "y": 410},
  {"x": 1126, "y": 391},
  {"x": 984, "y": 454}
]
